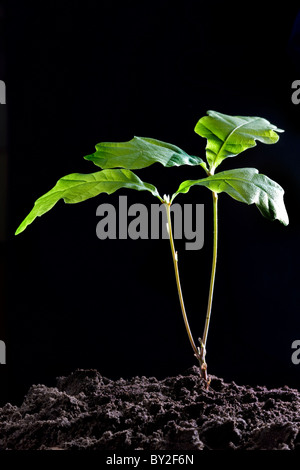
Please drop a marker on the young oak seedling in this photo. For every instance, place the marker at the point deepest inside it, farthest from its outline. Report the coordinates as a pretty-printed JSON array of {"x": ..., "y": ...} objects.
[{"x": 227, "y": 136}]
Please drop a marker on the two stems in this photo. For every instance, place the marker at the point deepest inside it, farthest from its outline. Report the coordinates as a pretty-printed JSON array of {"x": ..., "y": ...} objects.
[{"x": 199, "y": 352}]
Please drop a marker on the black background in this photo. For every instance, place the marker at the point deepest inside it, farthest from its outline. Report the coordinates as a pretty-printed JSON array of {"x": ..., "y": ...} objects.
[{"x": 78, "y": 73}]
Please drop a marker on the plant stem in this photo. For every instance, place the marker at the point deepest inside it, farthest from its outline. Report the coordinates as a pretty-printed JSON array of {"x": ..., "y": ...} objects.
[
  {"x": 213, "y": 270},
  {"x": 175, "y": 261}
]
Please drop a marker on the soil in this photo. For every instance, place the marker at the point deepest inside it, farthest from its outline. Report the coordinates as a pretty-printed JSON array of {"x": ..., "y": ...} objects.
[{"x": 86, "y": 411}]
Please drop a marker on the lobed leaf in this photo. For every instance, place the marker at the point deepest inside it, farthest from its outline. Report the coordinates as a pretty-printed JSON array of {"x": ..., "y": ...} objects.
[
  {"x": 246, "y": 185},
  {"x": 227, "y": 136},
  {"x": 140, "y": 152},
  {"x": 78, "y": 187}
]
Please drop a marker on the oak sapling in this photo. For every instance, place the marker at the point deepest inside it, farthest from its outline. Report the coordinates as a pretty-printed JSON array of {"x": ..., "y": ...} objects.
[{"x": 227, "y": 136}]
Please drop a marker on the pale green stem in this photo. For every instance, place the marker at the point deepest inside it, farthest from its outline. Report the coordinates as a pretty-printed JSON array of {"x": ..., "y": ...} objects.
[
  {"x": 175, "y": 261},
  {"x": 213, "y": 270}
]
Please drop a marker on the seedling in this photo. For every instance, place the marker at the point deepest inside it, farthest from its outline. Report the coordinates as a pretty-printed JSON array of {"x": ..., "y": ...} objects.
[{"x": 227, "y": 136}]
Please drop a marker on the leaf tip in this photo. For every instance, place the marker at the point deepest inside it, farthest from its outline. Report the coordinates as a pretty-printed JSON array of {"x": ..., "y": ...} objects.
[
  {"x": 88, "y": 157},
  {"x": 20, "y": 229},
  {"x": 286, "y": 220}
]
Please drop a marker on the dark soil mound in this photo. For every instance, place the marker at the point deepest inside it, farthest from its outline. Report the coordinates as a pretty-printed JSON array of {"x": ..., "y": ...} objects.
[{"x": 89, "y": 411}]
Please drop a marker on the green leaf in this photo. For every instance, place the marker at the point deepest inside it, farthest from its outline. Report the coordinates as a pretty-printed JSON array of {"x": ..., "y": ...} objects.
[
  {"x": 246, "y": 185},
  {"x": 78, "y": 187},
  {"x": 140, "y": 152},
  {"x": 227, "y": 136}
]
